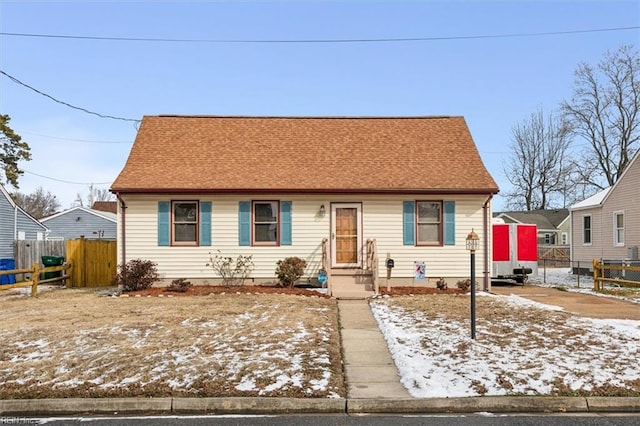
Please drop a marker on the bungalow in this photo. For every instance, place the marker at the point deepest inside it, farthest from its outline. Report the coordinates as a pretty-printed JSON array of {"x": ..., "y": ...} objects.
[
  {"x": 342, "y": 193},
  {"x": 607, "y": 225}
]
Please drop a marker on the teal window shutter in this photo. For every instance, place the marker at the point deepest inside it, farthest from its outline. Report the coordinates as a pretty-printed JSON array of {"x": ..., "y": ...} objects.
[
  {"x": 408, "y": 223},
  {"x": 449, "y": 223},
  {"x": 285, "y": 223},
  {"x": 164, "y": 216},
  {"x": 205, "y": 223},
  {"x": 244, "y": 223}
]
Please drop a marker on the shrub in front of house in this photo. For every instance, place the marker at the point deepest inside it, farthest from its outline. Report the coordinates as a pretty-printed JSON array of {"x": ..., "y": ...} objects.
[
  {"x": 232, "y": 271},
  {"x": 179, "y": 285},
  {"x": 464, "y": 285},
  {"x": 137, "y": 274},
  {"x": 441, "y": 284},
  {"x": 289, "y": 270}
]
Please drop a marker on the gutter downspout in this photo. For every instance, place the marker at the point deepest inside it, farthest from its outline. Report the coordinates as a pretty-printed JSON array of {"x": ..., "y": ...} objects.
[
  {"x": 123, "y": 233},
  {"x": 487, "y": 277}
]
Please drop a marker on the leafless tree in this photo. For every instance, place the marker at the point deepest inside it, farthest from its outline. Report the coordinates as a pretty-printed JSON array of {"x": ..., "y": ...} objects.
[
  {"x": 604, "y": 112},
  {"x": 103, "y": 195},
  {"x": 538, "y": 166},
  {"x": 38, "y": 204}
]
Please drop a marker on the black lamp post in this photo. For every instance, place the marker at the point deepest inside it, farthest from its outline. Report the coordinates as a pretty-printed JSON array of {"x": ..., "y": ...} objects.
[{"x": 472, "y": 245}]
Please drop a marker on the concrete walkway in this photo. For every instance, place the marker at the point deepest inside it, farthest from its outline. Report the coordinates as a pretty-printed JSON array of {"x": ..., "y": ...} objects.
[{"x": 369, "y": 369}]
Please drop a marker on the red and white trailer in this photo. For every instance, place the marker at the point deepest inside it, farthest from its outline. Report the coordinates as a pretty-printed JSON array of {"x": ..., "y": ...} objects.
[{"x": 515, "y": 251}]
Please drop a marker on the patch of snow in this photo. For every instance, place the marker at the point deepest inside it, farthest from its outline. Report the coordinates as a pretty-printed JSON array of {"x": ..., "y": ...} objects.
[{"x": 437, "y": 357}]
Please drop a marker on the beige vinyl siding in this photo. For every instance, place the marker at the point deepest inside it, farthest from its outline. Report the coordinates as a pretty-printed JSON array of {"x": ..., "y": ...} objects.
[
  {"x": 585, "y": 253},
  {"x": 382, "y": 220},
  {"x": 622, "y": 198}
]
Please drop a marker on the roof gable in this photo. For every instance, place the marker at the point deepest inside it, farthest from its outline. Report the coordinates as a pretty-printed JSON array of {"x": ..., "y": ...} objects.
[
  {"x": 304, "y": 154},
  {"x": 600, "y": 198},
  {"x": 111, "y": 217},
  {"x": 13, "y": 205},
  {"x": 543, "y": 219}
]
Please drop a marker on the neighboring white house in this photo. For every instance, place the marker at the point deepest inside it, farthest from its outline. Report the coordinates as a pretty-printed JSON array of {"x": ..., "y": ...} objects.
[
  {"x": 81, "y": 222},
  {"x": 275, "y": 187},
  {"x": 607, "y": 225}
]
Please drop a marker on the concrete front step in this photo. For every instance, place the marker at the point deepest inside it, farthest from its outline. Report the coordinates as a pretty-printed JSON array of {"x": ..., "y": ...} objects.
[
  {"x": 351, "y": 295},
  {"x": 351, "y": 284}
]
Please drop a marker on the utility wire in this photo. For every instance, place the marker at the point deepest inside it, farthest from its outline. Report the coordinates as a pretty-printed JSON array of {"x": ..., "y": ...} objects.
[
  {"x": 15, "y": 80},
  {"x": 66, "y": 181},
  {"x": 71, "y": 139},
  {"x": 338, "y": 40}
]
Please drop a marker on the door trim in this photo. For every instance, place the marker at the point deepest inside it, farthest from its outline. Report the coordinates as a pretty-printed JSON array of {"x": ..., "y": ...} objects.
[{"x": 358, "y": 207}]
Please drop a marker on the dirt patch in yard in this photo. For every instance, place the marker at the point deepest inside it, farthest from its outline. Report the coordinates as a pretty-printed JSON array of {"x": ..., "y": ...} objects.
[
  {"x": 576, "y": 303},
  {"x": 75, "y": 343},
  {"x": 206, "y": 290},
  {"x": 407, "y": 290}
]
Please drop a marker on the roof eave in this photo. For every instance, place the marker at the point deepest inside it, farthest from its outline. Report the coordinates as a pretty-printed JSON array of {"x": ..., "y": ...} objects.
[{"x": 458, "y": 191}]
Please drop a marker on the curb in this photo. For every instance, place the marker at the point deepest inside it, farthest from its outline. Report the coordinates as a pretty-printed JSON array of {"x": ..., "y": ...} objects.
[
  {"x": 497, "y": 404},
  {"x": 266, "y": 405}
]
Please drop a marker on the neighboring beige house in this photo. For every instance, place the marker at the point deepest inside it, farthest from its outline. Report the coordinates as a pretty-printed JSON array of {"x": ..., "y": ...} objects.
[
  {"x": 275, "y": 187},
  {"x": 607, "y": 225},
  {"x": 553, "y": 225}
]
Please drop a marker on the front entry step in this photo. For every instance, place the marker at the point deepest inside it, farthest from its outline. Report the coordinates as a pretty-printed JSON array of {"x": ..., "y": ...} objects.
[{"x": 351, "y": 285}]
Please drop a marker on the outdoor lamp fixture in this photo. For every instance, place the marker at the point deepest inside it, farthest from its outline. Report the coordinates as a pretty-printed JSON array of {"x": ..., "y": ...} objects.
[
  {"x": 322, "y": 211},
  {"x": 472, "y": 245}
]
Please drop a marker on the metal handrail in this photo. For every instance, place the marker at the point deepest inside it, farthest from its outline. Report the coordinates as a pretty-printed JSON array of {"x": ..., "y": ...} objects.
[
  {"x": 326, "y": 261},
  {"x": 372, "y": 262}
]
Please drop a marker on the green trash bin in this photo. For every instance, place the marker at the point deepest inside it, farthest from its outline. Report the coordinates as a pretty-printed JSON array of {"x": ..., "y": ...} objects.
[{"x": 52, "y": 261}]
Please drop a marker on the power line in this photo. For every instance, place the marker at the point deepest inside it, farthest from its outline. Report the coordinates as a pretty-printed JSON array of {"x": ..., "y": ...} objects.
[
  {"x": 15, "y": 80},
  {"x": 71, "y": 139},
  {"x": 338, "y": 40},
  {"x": 66, "y": 181}
]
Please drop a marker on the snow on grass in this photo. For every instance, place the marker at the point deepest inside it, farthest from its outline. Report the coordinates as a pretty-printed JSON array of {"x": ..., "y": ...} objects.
[
  {"x": 233, "y": 345},
  {"x": 522, "y": 348},
  {"x": 565, "y": 279}
]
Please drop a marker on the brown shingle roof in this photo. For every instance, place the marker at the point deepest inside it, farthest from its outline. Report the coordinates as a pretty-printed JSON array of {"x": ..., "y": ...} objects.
[
  {"x": 105, "y": 206},
  {"x": 235, "y": 154}
]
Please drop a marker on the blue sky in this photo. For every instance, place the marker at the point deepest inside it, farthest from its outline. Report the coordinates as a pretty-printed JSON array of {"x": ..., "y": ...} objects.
[{"x": 493, "y": 82}]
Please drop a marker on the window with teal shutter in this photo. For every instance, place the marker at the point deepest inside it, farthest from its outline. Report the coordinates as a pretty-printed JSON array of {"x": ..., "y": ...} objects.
[
  {"x": 285, "y": 223},
  {"x": 164, "y": 217},
  {"x": 449, "y": 223},
  {"x": 244, "y": 223},
  {"x": 205, "y": 223},
  {"x": 408, "y": 223}
]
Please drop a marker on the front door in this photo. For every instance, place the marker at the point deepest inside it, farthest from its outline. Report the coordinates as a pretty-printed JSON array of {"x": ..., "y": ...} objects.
[{"x": 346, "y": 235}]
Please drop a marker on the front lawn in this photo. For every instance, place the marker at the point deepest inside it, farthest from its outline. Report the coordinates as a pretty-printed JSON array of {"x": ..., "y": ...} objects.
[{"x": 75, "y": 343}]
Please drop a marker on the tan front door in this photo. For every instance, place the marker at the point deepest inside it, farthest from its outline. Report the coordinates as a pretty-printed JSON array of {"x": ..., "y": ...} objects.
[{"x": 346, "y": 235}]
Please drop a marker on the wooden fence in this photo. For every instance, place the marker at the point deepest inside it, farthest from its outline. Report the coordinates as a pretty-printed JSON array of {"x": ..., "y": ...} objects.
[
  {"x": 33, "y": 276},
  {"x": 94, "y": 261},
  {"x": 615, "y": 273},
  {"x": 554, "y": 256},
  {"x": 27, "y": 252}
]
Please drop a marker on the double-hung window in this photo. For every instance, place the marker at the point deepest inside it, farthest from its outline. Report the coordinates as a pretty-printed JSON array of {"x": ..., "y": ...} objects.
[
  {"x": 618, "y": 228},
  {"x": 586, "y": 229},
  {"x": 266, "y": 219},
  {"x": 184, "y": 223},
  {"x": 429, "y": 222},
  {"x": 184, "y": 226}
]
